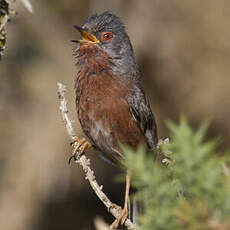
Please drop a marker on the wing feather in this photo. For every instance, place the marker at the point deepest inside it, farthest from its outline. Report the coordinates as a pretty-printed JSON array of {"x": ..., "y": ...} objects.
[{"x": 142, "y": 113}]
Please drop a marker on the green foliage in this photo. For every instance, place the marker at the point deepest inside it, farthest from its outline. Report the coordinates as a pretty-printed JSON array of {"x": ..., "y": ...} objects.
[
  {"x": 192, "y": 192},
  {"x": 4, "y": 11}
]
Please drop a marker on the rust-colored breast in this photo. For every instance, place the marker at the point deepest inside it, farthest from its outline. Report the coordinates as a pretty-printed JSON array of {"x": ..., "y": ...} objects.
[{"x": 103, "y": 110}]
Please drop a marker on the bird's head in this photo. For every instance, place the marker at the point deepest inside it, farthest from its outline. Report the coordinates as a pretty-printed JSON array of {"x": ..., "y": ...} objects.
[{"x": 108, "y": 32}]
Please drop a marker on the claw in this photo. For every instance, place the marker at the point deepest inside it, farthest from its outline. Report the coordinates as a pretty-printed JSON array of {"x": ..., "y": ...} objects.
[
  {"x": 70, "y": 159},
  {"x": 124, "y": 216},
  {"x": 80, "y": 146},
  {"x": 120, "y": 220}
]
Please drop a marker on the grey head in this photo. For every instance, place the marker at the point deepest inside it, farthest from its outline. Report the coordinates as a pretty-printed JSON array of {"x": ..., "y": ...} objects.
[{"x": 113, "y": 39}]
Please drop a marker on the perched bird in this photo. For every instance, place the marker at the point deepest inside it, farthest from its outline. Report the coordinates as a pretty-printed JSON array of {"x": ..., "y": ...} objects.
[{"x": 111, "y": 104}]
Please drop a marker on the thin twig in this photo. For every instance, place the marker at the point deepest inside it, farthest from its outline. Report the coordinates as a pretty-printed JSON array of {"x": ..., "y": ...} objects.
[{"x": 85, "y": 163}]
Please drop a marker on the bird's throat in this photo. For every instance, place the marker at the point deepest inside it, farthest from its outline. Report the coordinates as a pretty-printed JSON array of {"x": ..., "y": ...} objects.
[{"x": 92, "y": 60}]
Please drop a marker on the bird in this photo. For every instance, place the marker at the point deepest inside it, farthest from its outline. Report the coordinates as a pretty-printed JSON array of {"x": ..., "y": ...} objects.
[{"x": 111, "y": 103}]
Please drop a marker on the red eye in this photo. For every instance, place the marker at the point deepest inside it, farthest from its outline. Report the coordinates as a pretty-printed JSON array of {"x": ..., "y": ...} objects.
[{"x": 106, "y": 36}]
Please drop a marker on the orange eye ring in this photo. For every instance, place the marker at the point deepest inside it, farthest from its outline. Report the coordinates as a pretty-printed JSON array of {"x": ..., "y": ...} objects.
[{"x": 106, "y": 36}]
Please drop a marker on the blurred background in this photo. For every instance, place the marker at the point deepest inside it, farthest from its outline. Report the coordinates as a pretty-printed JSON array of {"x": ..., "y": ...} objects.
[{"x": 183, "y": 51}]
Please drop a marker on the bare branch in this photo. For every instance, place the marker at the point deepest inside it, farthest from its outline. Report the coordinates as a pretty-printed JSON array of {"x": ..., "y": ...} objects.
[
  {"x": 85, "y": 163},
  {"x": 26, "y": 3},
  {"x": 64, "y": 110}
]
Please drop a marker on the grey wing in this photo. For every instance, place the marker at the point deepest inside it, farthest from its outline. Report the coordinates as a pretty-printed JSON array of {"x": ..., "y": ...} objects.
[{"x": 141, "y": 111}]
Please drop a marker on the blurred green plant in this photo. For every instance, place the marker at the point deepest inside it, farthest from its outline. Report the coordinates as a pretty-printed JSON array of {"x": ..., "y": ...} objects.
[
  {"x": 4, "y": 12},
  {"x": 192, "y": 192}
]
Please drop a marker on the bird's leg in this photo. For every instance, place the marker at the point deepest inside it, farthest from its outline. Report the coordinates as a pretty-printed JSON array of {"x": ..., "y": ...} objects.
[
  {"x": 80, "y": 146},
  {"x": 124, "y": 212}
]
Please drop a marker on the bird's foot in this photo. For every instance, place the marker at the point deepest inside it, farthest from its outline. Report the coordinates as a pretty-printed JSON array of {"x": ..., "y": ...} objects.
[
  {"x": 120, "y": 220},
  {"x": 80, "y": 146}
]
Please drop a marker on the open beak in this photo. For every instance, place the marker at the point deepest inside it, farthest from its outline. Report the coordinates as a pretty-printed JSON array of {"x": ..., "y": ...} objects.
[{"x": 86, "y": 37}]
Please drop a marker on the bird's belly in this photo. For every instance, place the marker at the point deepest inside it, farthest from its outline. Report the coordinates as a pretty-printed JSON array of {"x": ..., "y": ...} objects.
[
  {"x": 107, "y": 121},
  {"x": 104, "y": 114}
]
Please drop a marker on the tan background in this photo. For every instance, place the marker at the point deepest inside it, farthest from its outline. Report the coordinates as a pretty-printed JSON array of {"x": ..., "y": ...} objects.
[{"x": 183, "y": 50}]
